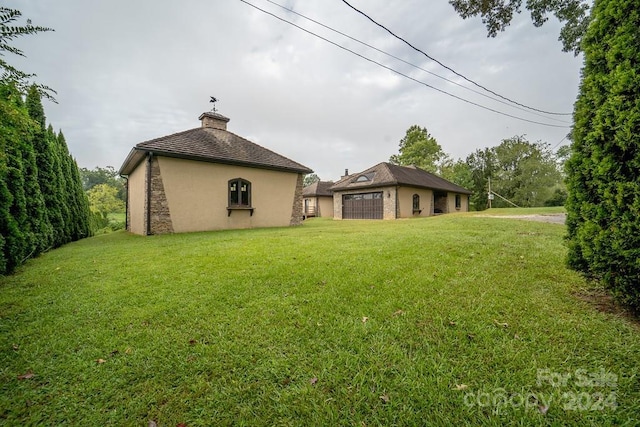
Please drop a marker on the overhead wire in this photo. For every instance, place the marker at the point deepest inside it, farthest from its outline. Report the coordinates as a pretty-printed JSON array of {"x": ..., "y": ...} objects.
[
  {"x": 398, "y": 72},
  {"x": 411, "y": 64},
  {"x": 559, "y": 142},
  {"x": 449, "y": 68}
]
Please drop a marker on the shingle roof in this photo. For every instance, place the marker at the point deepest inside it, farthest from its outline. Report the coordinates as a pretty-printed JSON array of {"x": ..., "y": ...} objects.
[
  {"x": 318, "y": 188},
  {"x": 212, "y": 145},
  {"x": 384, "y": 174}
]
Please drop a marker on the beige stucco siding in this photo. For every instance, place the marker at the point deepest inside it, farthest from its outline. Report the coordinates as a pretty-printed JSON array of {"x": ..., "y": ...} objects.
[
  {"x": 320, "y": 206},
  {"x": 451, "y": 203},
  {"x": 405, "y": 202},
  {"x": 136, "y": 203},
  {"x": 325, "y": 206},
  {"x": 197, "y": 194}
]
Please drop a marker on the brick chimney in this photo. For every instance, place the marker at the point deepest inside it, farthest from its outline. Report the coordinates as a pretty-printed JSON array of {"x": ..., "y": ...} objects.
[{"x": 213, "y": 120}]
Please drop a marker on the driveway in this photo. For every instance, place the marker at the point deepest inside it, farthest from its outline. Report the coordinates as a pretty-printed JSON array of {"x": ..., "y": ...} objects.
[{"x": 551, "y": 218}]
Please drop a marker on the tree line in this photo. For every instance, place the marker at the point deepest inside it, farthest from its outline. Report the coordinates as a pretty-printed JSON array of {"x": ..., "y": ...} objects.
[
  {"x": 107, "y": 198},
  {"x": 42, "y": 203},
  {"x": 527, "y": 174}
]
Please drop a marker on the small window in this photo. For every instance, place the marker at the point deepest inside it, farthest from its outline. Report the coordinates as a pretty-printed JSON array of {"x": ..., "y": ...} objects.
[
  {"x": 416, "y": 204},
  {"x": 458, "y": 201},
  {"x": 239, "y": 192},
  {"x": 365, "y": 177}
]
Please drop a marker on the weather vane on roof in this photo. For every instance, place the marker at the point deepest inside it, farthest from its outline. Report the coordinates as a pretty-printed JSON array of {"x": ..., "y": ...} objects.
[{"x": 213, "y": 101}]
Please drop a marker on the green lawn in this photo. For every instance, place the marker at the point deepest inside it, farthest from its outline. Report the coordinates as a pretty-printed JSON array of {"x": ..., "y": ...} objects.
[{"x": 448, "y": 320}]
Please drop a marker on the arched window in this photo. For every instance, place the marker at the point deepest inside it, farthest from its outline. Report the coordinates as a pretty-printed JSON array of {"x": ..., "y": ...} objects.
[
  {"x": 239, "y": 192},
  {"x": 416, "y": 203}
]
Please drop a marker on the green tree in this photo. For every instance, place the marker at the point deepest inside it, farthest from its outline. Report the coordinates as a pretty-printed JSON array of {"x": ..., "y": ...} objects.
[
  {"x": 497, "y": 15},
  {"x": 108, "y": 175},
  {"x": 562, "y": 155},
  {"x": 103, "y": 198},
  {"x": 9, "y": 31},
  {"x": 603, "y": 172},
  {"x": 78, "y": 217},
  {"x": 420, "y": 149},
  {"x": 310, "y": 179},
  {"x": 13, "y": 205},
  {"x": 457, "y": 172},
  {"x": 57, "y": 202},
  {"x": 83, "y": 221},
  {"x": 63, "y": 185},
  {"x": 46, "y": 164},
  {"x": 523, "y": 172},
  {"x": 483, "y": 164},
  {"x": 526, "y": 171},
  {"x": 37, "y": 229}
]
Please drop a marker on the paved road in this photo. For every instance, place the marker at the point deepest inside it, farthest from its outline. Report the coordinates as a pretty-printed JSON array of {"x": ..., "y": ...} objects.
[{"x": 552, "y": 218}]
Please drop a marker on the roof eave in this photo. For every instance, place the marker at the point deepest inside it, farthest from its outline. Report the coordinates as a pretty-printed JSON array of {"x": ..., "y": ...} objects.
[
  {"x": 394, "y": 183},
  {"x": 365, "y": 186},
  {"x": 135, "y": 156},
  {"x": 302, "y": 170}
]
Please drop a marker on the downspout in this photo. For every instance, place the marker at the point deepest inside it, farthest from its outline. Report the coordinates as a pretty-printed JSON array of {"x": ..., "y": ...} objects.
[
  {"x": 148, "y": 207},
  {"x": 127, "y": 222}
]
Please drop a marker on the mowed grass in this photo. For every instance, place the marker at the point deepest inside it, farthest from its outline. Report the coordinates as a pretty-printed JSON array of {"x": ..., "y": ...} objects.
[{"x": 448, "y": 320}]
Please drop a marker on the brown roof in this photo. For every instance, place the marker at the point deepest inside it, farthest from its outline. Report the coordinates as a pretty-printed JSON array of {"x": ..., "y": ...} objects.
[
  {"x": 384, "y": 174},
  {"x": 318, "y": 188},
  {"x": 212, "y": 145}
]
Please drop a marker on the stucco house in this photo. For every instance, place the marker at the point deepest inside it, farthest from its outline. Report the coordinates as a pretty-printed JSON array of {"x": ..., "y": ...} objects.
[
  {"x": 388, "y": 191},
  {"x": 317, "y": 199},
  {"x": 208, "y": 178}
]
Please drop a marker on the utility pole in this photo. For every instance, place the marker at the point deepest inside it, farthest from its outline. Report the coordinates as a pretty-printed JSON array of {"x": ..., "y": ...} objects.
[{"x": 490, "y": 195}]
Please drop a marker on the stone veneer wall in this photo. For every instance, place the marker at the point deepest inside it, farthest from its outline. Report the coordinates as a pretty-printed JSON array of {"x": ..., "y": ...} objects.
[
  {"x": 160, "y": 215},
  {"x": 390, "y": 198},
  {"x": 297, "y": 209}
]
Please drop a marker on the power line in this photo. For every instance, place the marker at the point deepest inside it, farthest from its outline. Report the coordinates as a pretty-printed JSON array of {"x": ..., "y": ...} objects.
[
  {"x": 559, "y": 142},
  {"x": 449, "y": 68},
  {"x": 411, "y": 64},
  {"x": 400, "y": 73}
]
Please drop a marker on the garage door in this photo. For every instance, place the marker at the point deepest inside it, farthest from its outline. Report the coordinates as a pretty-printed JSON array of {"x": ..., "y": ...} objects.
[{"x": 362, "y": 206}]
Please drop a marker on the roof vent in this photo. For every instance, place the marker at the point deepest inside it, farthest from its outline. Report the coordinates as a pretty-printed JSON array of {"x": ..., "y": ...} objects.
[{"x": 213, "y": 120}]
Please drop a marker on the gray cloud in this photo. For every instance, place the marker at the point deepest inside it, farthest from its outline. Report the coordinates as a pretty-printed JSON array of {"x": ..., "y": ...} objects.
[{"x": 131, "y": 71}]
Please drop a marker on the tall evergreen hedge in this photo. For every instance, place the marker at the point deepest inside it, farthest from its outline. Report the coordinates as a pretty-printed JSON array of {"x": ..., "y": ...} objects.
[
  {"x": 13, "y": 204},
  {"x": 42, "y": 204},
  {"x": 603, "y": 172}
]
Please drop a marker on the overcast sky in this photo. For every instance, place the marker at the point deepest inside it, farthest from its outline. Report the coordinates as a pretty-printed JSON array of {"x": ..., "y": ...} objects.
[{"x": 128, "y": 71}]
